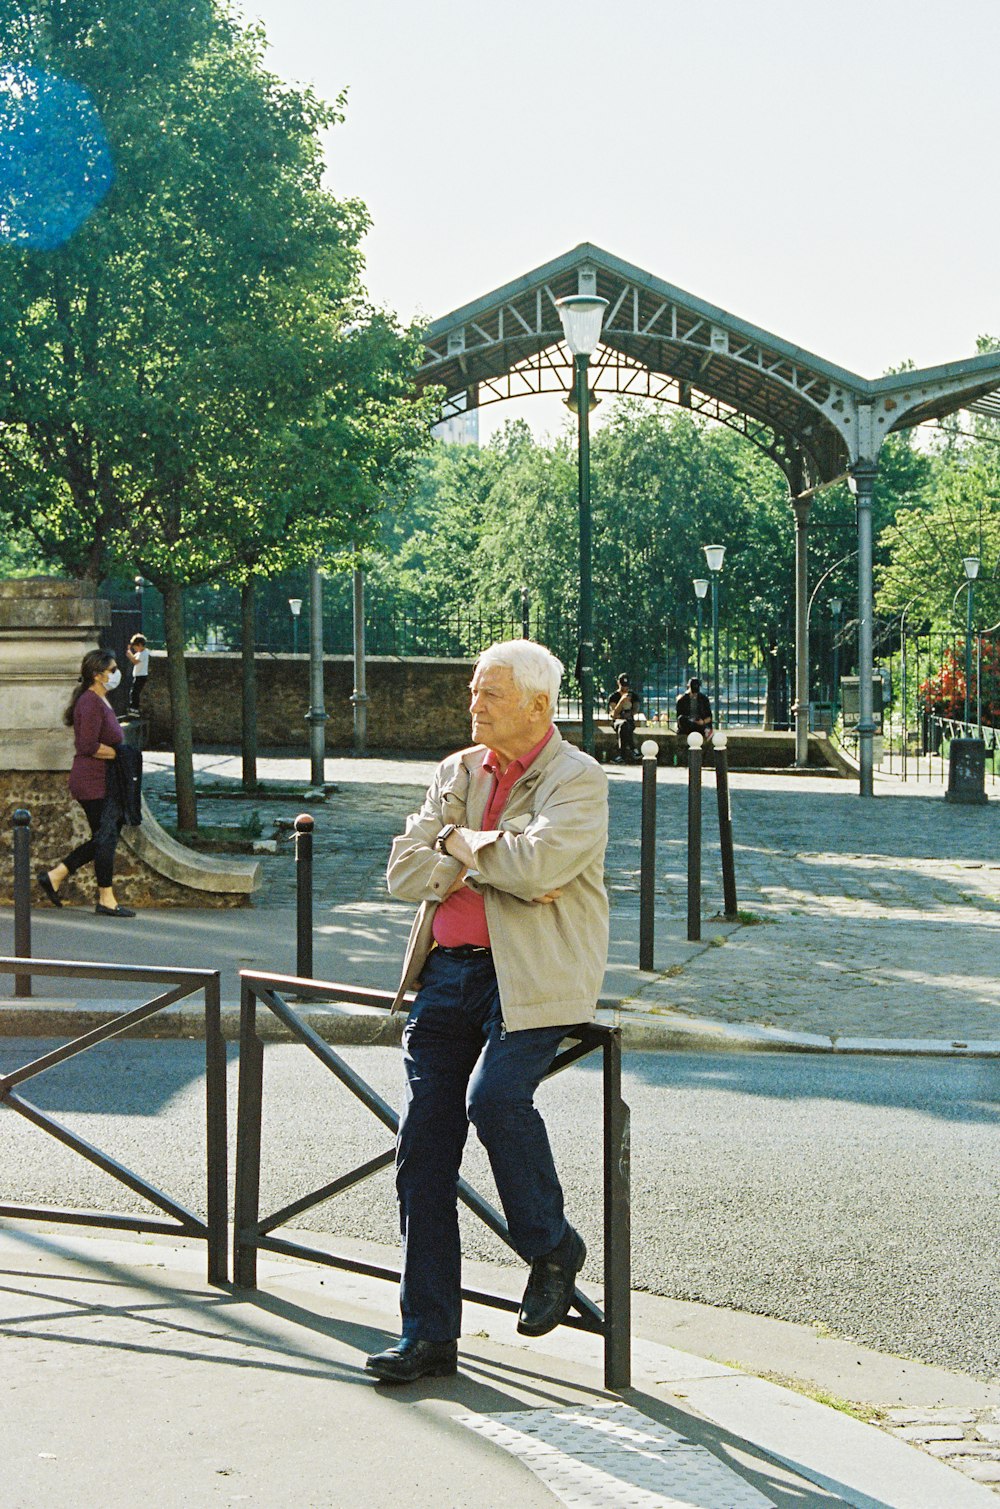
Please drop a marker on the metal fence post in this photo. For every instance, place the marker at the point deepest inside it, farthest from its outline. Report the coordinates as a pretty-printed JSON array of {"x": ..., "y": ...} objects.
[
  {"x": 248, "y": 1126},
  {"x": 695, "y": 741},
  {"x": 647, "y": 864},
  {"x": 22, "y": 895},
  {"x": 617, "y": 1223},
  {"x": 730, "y": 906},
  {"x": 304, "y": 825},
  {"x": 216, "y": 1143}
]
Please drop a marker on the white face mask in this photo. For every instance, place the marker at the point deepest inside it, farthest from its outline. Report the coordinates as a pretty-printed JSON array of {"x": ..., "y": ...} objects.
[{"x": 113, "y": 680}]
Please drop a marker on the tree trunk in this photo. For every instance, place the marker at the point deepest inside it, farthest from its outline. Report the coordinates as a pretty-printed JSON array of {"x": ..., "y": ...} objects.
[
  {"x": 248, "y": 645},
  {"x": 180, "y": 708}
]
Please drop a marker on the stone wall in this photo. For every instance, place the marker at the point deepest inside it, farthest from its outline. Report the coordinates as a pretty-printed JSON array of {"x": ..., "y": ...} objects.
[
  {"x": 58, "y": 825},
  {"x": 418, "y": 704}
]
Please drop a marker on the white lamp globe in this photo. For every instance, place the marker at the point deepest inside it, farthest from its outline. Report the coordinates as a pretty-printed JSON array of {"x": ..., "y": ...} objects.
[{"x": 582, "y": 316}]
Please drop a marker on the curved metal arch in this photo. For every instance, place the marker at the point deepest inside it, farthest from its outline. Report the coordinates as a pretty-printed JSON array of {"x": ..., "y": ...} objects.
[{"x": 550, "y": 371}]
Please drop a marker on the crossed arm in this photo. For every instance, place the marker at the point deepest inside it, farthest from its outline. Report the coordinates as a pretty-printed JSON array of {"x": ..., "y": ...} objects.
[{"x": 533, "y": 864}]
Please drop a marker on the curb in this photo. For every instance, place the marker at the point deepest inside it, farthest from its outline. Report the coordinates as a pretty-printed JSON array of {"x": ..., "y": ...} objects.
[{"x": 642, "y": 1031}]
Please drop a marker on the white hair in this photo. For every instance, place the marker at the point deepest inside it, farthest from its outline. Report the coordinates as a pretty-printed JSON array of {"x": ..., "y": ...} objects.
[{"x": 533, "y": 667}]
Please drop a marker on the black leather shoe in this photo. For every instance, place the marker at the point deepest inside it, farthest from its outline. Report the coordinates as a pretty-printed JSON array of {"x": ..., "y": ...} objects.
[
  {"x": 113, "y": 911},
  {"x": 549, "y": 1291},
  {"x": 46, "y": 885},
  {"x": 411, "y": 1360}
]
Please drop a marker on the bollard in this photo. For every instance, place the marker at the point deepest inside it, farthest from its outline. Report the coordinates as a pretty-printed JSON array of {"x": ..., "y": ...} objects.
[
  {"x": 647, "y": 864},
  {"x": 729, "y": 904},
  {"x": 695, "y": 742},
  {"x": 22, "y": 896},
  {"x": 304, "y": 895}
]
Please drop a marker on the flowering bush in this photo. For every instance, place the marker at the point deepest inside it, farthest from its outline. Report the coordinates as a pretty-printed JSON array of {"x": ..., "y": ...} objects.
[{"x": 944, "y": 692}]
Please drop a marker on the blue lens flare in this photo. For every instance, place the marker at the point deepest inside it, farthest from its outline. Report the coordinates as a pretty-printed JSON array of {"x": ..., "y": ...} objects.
[{"x": 55, "y": 162}]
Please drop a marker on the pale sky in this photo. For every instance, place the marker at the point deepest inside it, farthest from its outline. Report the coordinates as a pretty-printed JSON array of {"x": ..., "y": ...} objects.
[{"x": 826, "y": 169}]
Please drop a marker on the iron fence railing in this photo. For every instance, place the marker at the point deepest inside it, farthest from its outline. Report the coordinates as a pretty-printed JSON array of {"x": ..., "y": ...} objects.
[
  {"x": 254, "y": 1233},
  {"x": 181, "y": 983}
]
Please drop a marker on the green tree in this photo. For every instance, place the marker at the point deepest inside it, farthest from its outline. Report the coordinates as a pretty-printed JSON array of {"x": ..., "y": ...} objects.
[{"x": 194, "y": 379}]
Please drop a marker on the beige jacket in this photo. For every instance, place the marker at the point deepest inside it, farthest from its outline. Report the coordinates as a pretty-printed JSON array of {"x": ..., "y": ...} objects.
[{"x": 550, "y": 958}]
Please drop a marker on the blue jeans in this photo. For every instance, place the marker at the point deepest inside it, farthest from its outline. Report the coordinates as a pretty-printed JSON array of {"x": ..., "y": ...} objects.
[{"x": 462, "y": 1066}]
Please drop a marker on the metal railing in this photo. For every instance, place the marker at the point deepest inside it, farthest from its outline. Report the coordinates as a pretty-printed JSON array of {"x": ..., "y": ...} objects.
[
  {"x": 253, "y": 1233},
  {"x": 181, "y": 983}
]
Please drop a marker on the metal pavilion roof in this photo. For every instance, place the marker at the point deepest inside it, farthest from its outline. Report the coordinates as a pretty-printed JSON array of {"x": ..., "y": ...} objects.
[{"x": 814, "y": 418}]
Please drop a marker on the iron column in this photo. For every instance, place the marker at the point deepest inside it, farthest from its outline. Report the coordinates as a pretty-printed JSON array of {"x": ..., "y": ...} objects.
[
  {"x": 714, "y": 555},
  {"x": 862, "y": 480},
  {"x": 835, "y": 607},
  {"x": 359, "y": 696},
  {"x": 582, "y": 315},
  {"x": 581, "y": 364},
  {"x": 700, "y": 589},
  {"x": 316, "y": 716},
  {"x": 800, "y": 710},
  {"x": 970, "y": 564}
]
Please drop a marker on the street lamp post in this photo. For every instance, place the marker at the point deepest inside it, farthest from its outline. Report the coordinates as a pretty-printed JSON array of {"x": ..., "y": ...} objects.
[
  {"x": 835, "y": 609},
  {"x": 295, "y": 604},
  {"x": 715, "y": 555},
  {"x": 700, "y": 592},
  {"x": 970, "y": 564},
  {"x": 582, "y": 315}
]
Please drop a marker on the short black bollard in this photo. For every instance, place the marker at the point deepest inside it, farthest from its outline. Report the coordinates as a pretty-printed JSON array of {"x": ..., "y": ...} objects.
[
  {"x": 304, "y": 895},
  {"x": 729, "y": 903},
  {"x": 647, "y": 863},
  {"x": 22, "y": 896},
  {"x": 695, "y": 742}
]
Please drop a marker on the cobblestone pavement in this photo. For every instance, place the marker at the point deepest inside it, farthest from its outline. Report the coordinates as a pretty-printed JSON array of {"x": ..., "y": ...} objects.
[
  {"x": 966, "y": 1439},
  {"x": 873, "y": 919},
  {"x": 861, "y": 919}
]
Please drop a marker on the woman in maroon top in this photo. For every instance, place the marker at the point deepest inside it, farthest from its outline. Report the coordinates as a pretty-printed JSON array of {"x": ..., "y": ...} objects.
[{"x": 98, "y": 734}]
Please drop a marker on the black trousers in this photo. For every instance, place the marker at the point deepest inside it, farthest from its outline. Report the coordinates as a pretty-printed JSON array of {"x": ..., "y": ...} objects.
[
  {"x": 135, "y": 691},
  {"x": 625, "y": 729},
  {"x": 100, "y": 846}
]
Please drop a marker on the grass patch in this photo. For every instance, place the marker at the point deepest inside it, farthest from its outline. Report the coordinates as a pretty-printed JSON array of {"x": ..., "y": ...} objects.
[
  {"x": 221, "y": 838},
  {"x": 869, "y": 1414},
  {"x": 753, "y": 919}
]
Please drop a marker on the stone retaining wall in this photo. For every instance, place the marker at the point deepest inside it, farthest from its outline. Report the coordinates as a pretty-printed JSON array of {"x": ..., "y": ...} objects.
[{"x": 414, "y": 704}]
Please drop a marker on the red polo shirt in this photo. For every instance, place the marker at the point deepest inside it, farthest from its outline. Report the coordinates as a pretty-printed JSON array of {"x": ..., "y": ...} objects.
[{"x": 461, "y": 919}]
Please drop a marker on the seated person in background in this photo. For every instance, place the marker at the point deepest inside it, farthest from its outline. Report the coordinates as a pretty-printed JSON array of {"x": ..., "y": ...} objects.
[
  {"x": 694, "y": 711},
  {"x": 623, "y": 705}
]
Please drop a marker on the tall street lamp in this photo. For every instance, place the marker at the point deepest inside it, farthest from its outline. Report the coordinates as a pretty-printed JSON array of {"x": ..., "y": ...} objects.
[
  {"x": 295, "y": 603},
  {"x": 582, "y": 315},
  {"x": 701, "y": 592},
  {"x": 835, "y": 610},
  {"x": 970, "y": 564},
  {"x": 714, "y": 555}
]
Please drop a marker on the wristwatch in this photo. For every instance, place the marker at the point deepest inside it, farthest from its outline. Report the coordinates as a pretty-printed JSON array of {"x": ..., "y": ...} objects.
[{"x": 442, "y": 839}]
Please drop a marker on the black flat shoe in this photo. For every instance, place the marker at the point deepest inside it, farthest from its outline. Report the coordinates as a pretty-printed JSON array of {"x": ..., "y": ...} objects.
[
  {"x": 46, "y": 885},
  {"x": 113, "y": 911},
  {"x": 411, "y": 1360},
  {"x": 549, "y": 1292}
]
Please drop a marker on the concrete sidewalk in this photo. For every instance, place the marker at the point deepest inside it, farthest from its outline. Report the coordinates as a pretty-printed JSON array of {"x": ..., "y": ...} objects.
[{"x": 129, "y": 1380}]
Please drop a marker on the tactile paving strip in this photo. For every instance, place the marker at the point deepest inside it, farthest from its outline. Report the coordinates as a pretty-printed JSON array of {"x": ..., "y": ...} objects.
[{"x": 594, "y": 1456}]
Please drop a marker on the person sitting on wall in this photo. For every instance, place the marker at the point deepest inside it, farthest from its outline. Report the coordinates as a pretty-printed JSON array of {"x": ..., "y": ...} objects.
[
  {"x": 694, "y": 711},
  {"x": 623, "y": 705}
]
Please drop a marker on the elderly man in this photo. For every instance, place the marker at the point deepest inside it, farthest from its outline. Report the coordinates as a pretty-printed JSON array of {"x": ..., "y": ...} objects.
[{"x": 506, "y": 858}]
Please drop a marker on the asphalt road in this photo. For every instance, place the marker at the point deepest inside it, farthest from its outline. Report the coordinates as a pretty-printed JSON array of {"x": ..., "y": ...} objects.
[{"x": 860, "y": 1195}]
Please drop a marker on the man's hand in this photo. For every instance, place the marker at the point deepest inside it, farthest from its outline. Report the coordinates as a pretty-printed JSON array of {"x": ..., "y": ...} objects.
[
  {"x": 548, "y": 898},
  {"x": 457, "y": 845}
]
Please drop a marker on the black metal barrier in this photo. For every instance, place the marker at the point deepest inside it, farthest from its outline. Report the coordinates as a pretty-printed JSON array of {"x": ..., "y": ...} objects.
[
  {"x": 694, "y": 839},
  {"x": 212, "y": 1230},
  {"x": 252, "y": 1232}
]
